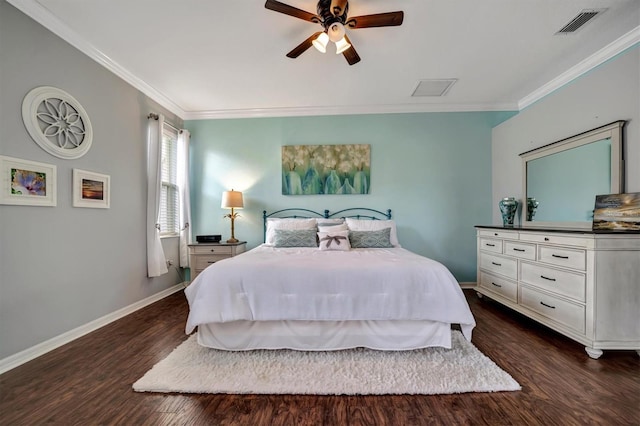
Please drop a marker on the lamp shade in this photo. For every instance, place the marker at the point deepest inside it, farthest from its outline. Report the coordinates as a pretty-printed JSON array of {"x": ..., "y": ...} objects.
[
  {"x": 336, "y": 32},
  {"x": 342, "y": 45},
  {"x": 320, "y": 42},
  {"x": 232, "y": 199}
]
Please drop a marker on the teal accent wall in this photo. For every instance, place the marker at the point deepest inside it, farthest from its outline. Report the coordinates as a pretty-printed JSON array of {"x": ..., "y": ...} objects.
[{"x": 432, "y": 169}]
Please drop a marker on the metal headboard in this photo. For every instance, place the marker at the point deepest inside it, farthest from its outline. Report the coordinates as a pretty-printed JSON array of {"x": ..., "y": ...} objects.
[{"x": 300, "y": 213}]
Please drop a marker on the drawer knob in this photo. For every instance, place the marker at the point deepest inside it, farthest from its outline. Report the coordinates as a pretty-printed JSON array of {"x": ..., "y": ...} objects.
[
  {"x": 211, "y": 261},
  {"x": 559, "y": 257},
  {"x": 497, "y": 285},
  {"x": 546, "y": 238},
  {"x": 490, "y": 245},
  {"x": 548, "y": 306},
  {"x": 517, "y": 249},
  {"x": 495, "y": 233},
  {"x": 497, "y": 264},
  {"x": 212, "y": 250},
  {"x": 547, "y": 278}
]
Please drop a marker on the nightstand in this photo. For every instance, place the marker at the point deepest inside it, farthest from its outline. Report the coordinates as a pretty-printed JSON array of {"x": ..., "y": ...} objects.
[{"x": 202, "y": 255}]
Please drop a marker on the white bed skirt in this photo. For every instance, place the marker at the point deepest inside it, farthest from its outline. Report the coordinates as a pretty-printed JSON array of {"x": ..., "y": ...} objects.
[{"x": 324, "y": 335}]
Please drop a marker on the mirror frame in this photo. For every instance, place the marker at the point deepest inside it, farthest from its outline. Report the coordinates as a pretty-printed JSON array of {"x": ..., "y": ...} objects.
[{"x": 612, "y": 131}]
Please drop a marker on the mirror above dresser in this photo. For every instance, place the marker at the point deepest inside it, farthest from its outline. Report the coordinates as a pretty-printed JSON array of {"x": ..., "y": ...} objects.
[{"x": 563, "y": 178}]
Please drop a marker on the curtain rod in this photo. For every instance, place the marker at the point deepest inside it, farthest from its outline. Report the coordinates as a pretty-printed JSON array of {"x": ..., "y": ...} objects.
[{"x": 156, "y": 116}]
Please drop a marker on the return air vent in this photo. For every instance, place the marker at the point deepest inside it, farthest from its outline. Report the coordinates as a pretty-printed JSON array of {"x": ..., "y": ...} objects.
[
  {"x": 580, "y": 20},
  {"x": 434, "y": 87}
]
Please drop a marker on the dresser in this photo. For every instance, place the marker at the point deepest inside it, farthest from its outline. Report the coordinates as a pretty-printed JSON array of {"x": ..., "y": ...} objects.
[
  {"x": 583, "y": 284},
  {"x": 202, "y": 255}
]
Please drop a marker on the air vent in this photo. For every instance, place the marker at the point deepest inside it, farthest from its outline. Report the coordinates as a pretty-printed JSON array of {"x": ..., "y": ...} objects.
[
  {"x": 580, "y": 20},
  {"x": 434, "y": 87}
]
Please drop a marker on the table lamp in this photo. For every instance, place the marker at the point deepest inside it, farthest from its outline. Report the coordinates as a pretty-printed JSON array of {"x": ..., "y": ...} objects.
[{"x": 232, "y": 200}]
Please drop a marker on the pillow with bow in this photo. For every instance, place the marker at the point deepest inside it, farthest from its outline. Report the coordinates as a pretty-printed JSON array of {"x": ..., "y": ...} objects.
[{"x": 335, "y": 240}]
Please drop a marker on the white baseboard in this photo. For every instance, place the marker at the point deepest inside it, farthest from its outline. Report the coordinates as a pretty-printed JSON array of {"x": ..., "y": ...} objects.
[
  {"x": 468, "y": 285},
  {"x": 26, "y": 355}
]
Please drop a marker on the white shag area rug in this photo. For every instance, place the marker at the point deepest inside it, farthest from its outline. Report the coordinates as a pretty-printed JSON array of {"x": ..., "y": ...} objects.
[{"x": 191, "y": 368}]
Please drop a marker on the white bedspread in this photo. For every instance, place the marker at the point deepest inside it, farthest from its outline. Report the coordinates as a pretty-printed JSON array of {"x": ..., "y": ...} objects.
[{"x": 268, "y": 283}]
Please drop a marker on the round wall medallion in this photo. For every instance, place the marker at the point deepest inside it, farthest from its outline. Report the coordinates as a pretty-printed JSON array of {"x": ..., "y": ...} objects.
[{"x": 57, "y": 122}]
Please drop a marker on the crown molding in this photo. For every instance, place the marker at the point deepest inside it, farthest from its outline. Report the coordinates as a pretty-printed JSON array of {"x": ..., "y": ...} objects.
[
  {"x": 44, "y": 17},
  {"x": 47, "y": 19},
  {"x": 609, "y": 51},
  {"x": 345, "y": 110}
]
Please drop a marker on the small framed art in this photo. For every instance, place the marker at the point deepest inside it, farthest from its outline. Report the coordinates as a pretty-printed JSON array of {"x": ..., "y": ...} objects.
[
  {"x": 91, "y": 189},
  {"x": 27, "y": 183},
  {"x": 617, "y": 212}
]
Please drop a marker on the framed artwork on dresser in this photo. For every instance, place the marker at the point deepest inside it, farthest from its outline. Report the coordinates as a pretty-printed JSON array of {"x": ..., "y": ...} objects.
[
  {"x": 617, "y": 212},
  {"x": 27, "y": 183}
]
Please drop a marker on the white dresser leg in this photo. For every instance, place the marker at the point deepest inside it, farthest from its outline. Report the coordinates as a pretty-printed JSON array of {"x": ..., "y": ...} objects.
[{"x": 593, "y": 353}]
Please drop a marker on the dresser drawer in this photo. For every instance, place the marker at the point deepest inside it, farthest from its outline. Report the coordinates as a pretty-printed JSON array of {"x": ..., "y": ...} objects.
[
  {"x": 204, "y": 261},
  {"x": 498, "y": 234},
  {"x": 566, "y": 313},
  {"x": 488, "y": 244},
  {"x": 210, "y": 249},
  {"x": 499, "y": 285},
  {"x": 570, "y": 284},
  {"x": 499, "y": 265},
  {"x": 560, "y": 239},
  {"x": 576, "y": 259},
  {"x": 521, "y": 250}
]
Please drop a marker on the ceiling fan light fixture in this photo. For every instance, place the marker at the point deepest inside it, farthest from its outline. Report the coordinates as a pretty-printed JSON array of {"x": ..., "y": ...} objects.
[
  {"x": 320, "y": 42},
  {"x": 342, "y": 45},
  {"x": 336, "y": 32}
]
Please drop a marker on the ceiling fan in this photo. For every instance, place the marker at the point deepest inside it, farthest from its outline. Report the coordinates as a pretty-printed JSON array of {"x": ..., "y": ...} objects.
[{"x": 332, "y": 15}]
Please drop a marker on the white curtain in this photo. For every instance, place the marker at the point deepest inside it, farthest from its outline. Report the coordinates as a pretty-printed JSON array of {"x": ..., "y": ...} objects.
[
  {"x": 156, "y": 262},
  {"x": 185, "y": 199}
]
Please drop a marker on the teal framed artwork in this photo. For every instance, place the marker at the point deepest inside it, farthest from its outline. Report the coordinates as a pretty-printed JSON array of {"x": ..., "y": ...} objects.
[{"x": 326, "y": 169}]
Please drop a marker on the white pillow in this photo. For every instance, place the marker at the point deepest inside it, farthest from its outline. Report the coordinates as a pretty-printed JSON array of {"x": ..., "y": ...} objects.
[
  {"x": 289, "y": 224},
  {"x": 333, "y": 228},
  {"x": 338, "y": 240},
  {"x": 330, "y": 222},
  {"x": 374, "y": 225}
]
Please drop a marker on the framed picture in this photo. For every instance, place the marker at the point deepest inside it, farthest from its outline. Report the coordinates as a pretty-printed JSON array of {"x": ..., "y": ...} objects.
[
  {"x": 91, "y": 189},
  {"x": 326, "y": 169},
  {"x": 27, "y": 183},
  {"x": 617, "y": 212}
]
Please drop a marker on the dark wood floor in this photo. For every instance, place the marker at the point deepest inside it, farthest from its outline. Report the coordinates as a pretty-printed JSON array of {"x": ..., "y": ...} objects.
[{"x": 88, "y": 382}]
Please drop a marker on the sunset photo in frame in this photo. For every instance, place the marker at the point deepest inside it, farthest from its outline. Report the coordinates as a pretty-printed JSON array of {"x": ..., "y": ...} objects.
[
  {"x": 91, "y": 189},
  {"x": 617, "y": 212},
  {"x": 27, "y": 183}
]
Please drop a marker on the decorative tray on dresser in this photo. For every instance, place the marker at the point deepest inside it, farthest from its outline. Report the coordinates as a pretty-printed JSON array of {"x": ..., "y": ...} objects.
[{"x": 584, "y": 284}]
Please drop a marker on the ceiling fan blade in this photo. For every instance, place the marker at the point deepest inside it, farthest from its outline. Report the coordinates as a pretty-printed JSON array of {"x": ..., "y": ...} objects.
[
  {"x": 302, "y": 47},
  {"x": 350, "y": 54},
  {"x": 389, "y": 19},
  {"x": 276, "y": 6}
]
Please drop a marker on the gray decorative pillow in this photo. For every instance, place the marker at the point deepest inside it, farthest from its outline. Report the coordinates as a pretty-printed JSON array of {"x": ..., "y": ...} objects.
[
  {"x": 371, "y": 239},
  {"x": 295, "y": 238}
]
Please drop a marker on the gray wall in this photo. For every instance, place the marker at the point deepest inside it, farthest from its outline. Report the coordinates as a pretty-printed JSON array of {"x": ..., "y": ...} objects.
[
  {"x": 62, "y": 267},
  {"x": 608, "y": 93}
]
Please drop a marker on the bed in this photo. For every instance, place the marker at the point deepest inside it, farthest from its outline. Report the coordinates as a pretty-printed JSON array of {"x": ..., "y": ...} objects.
[{"x": 327, "y": 281}]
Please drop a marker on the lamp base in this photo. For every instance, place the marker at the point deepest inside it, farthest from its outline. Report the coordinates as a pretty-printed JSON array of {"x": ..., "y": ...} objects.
[{"x": 233, "y": 240}]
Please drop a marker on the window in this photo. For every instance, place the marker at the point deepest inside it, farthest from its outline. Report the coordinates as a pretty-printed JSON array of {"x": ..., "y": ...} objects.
[{"x": 169, "y": 196}]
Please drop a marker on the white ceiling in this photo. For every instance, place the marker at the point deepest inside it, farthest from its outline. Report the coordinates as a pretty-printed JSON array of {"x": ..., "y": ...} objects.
[{"x": 215, "y": 59}]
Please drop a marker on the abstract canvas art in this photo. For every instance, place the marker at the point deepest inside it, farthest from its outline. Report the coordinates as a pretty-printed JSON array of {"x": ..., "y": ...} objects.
[{"x": 326, "y": 169}]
